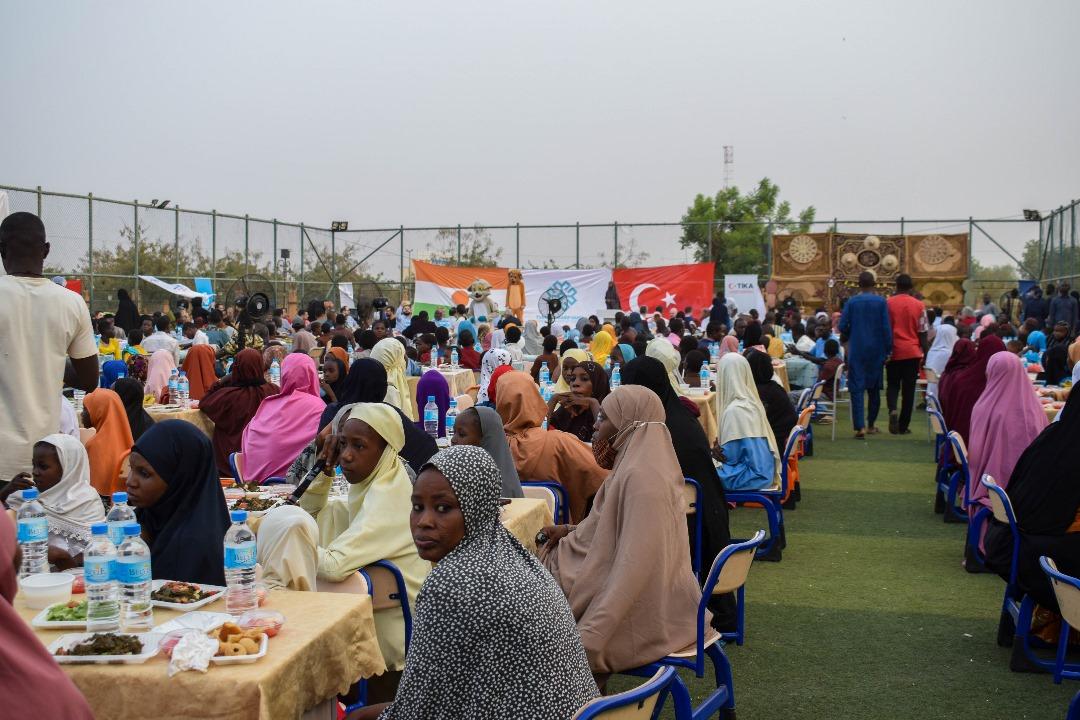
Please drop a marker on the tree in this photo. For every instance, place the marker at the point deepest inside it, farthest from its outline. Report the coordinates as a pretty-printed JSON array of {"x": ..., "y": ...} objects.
[
  {"x": 477, "y": 249},
  {"x": 733, "y": 229},
  {"x": 630, "y": 255}
]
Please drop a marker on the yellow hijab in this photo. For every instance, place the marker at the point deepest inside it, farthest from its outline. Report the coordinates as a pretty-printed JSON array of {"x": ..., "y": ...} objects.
[
  {"x": 601, "y": 346},
  {"x": 578, "y": 354},
  {"x": 391, "y": 355},
  {"x": 776, "y": 347}
]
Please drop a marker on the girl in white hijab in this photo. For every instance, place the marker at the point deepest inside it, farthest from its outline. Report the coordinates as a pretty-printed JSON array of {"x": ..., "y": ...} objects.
[
  {"x": 940, "y": 352},
  {"x": 493, "y": 359},
  {"x": 327, "y": 541},
  {"x": 662, "y": 349},
  {"x": 391, "y": 354},
  {"x": 62, "y": 474},
  {"x": 751, "y": 460},
  {"x": 534, "y": 342}
]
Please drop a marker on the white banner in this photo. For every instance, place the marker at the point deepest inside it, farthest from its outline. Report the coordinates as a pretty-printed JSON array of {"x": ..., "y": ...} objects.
[
  {"x": 744, "y": 292},
  {"x": 174, "y": 288},
  {"x": 345, "y": 296},
  {"x": 585, "y": 291}
]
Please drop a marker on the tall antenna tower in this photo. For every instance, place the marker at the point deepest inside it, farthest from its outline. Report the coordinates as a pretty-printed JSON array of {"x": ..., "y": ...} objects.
[{"x": 729, "y": 165}]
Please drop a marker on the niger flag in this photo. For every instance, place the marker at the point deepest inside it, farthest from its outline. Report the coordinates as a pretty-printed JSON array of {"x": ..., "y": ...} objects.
[{"x": 443, "y": 286}]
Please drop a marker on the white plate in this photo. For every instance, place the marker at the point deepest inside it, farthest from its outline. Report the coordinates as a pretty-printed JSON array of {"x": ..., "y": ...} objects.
[
  {"x": 199, "y": 620},
  {"x": 242, "y": 659},
  {"x": 187, "y": 607},
  {"x": 150, "y": 649},
  {"x": 39, "y": 621}
]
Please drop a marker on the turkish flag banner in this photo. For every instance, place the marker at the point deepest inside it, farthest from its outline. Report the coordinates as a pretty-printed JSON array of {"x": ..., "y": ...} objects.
[{"x": 668, "y": 286}]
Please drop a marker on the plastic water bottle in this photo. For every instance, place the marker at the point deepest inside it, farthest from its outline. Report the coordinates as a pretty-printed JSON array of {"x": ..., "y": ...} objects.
[
  {"x": 120, "y": 514},
  {"x": 714, "y": 354},
  {"x": 545, "y": 374},
  {"x": 705, "y": 376},
  {"x": 33, "y": 535},
  {"x": 454, "y": 359},
  {"x": 607, "y": 364},
  {"x": 341, "y": 485},
  {"x": 133, "y": 580},
  {"x": 616, "y": 376},
  {"x": 431, "y": 417},
  {"x": 451, "y": 418},
  {"x": 228, "y": 366},
  {"x": 543, "y": 423},
  {"x": 183, "y": 390},
  {"x": 174, "y": 380},
  {"x": 275, "y": 373},
  {"x": 102, "y": 600},
  {"x": 240, "y": 556}
]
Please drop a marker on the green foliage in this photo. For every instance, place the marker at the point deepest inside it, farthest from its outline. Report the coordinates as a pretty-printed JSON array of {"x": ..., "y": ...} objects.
[
  {"x": 738, "y": 237},
  {"x": 477, "y": 248}
]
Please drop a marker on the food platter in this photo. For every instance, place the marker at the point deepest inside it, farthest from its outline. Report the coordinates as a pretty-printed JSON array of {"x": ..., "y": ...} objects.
[
  {"x": 149, "y": 649},
  {"x": 41, "y": 620},
  {"x": 215, "y": 592}
]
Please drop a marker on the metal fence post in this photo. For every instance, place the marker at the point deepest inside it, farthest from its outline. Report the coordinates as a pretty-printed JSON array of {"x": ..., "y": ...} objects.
[
  {"x": 333, "y": 258},
  {"x": 245, "y": 243},
  {"x": 301, "y": 298},
  {"x": 274, "y": 257},
  {"x": 459, "y": 244},
  {"x": 517, "y": 245},
  {"x": 616, "y": 263},
  {"x": 708, "y": 243},
  {"x": 577, "y": 245},
  {"x": 90, "y": 242},
  {"x": 176, "y": 239},
  {"x": 39, "y": 201},
  {"x": 135, "y": 241},
  {"x": 401, "y": 258},
  {"x": 213, "y": 247},
  {"x": 901, "y": 225}
]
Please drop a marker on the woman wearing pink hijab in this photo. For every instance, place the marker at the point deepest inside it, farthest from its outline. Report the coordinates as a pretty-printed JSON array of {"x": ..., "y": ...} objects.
[
  {"x": 1006, "y": 418},
  {"x": 730, "y": 343},
  {"x": 161, "y": 366},
  {"x": 285, "y": 423}
]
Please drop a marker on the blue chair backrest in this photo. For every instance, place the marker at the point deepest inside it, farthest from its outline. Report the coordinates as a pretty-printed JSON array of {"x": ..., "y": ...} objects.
[
  {"x": 714, "y": 575},
  {"x": 789, "y": 448},
  {"x": 1002, "y": 508},
  {"x": 959, "y": 452},
  {"x": 655, "y": 687}
]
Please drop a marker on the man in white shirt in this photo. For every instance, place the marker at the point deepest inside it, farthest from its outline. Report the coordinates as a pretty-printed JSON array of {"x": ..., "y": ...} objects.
[
  {"x": 162, "y": 340},
  {"x": 43, "y": 324},
  {"x": 194, "y": 336}
]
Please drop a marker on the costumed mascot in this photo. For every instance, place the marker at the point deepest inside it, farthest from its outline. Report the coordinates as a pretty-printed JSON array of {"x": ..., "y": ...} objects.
[
  {"x": 481, "y": 306},
  {"x": 515, "y": 294}
]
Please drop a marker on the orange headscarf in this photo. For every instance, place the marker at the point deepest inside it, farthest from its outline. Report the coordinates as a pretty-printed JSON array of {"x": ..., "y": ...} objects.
[
  {"x": 342, "y": 355},
  {"x": 199, "y": 366},
  {"x": 112, "y": 442},
  {"x": 545, "y": 454}
]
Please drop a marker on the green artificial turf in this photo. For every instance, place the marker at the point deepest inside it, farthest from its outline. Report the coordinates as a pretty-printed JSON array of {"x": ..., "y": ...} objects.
[{"x": 870, "y": 614}]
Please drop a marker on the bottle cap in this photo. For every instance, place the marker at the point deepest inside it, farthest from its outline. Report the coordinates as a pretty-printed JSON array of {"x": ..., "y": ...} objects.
[
  {"x": 132, "y": 529},
  {"x": 431, "y": 398},
  {"x": 453, "y": 402},
  {"x": 99, "y": 529},
  {"x": 238, "y": 516},
  {"x": 30, "y": 494},
  {"x": 119, "y": 497}
]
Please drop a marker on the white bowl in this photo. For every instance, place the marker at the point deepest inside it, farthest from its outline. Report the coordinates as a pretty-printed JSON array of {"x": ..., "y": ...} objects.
[{"x": 44, "y": 589}]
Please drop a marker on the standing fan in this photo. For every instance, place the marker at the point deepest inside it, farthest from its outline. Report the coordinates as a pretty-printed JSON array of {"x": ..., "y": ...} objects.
[
  {"x": 253, "y": 296},
  {"x": 552, "y": 304}
]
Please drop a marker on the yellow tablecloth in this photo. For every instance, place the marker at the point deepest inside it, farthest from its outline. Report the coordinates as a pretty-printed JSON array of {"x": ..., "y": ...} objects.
[
  {"x": 706, "y": 404},
  {"x": 327, "y": 643},
  {"x": 523, "y": 517},
  {"x": 459, "y": 381},
  {"x": 781, "y": 374},
  {"x": 193, "y": 416}
]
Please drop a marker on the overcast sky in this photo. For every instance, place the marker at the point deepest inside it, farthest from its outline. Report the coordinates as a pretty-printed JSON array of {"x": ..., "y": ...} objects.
[{"x": 423, "y": 113}]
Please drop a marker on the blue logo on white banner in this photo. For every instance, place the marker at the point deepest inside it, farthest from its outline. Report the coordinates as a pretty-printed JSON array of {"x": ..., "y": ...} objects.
[{"x": 568, "y": 291}]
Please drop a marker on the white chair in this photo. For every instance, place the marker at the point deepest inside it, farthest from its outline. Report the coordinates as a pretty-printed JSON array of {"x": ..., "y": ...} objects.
[
  {"x": 839, "y": 387},
  {"x": 541, "y": 492}
]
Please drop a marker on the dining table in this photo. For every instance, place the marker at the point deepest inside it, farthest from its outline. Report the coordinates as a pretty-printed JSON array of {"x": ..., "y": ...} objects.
[
  {"x": 326, "y": 644},
  {"x": 192, "y": 415},
  {"x": 459, "y": 380}
]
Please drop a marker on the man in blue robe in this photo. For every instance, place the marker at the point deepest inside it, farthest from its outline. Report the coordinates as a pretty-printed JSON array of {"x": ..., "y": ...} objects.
[{"x": 864, "y": 327}]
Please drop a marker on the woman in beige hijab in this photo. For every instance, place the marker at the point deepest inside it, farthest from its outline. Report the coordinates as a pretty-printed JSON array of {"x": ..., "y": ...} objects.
[
  {"x": 662, "y": 349},
  {"x": 327, "y": 540},
  {"x": 391, "y": 354},
  {"x": 541, "y": 454},
  {"x": 624, "y": 568}
]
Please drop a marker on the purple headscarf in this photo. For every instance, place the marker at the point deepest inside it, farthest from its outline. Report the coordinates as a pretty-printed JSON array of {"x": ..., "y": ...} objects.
[{"x": 433, "y": 383}]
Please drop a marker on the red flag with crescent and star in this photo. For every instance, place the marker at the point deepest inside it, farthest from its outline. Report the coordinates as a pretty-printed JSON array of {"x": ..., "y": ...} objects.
[{"x": 668, "y": 286}]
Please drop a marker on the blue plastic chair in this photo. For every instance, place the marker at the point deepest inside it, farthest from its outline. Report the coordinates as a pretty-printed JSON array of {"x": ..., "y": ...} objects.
[
  {"x": 814, "y": 398},
  {"x": 1074, "y": 708},
  {"x": 644, "y": 701},
  {"x": 387, "y": 589},
  {"x": 1067, "y": 592},
  {"x": 771, "y": 501},
  {"x": 728, "y": 569},
  {"x": 562, "y": 500},
  {"x": 1014, "y": 626},
  {"x": 692, "y": 498},
  {"x": 957, "y": 481}
]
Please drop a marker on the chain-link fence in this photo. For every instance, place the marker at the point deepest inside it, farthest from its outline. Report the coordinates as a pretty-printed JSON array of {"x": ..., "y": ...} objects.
[{"x": 108, "y": 243}]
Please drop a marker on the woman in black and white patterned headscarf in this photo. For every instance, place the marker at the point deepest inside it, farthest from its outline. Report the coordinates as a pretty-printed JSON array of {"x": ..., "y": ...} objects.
[{"x": 494, "y": 636}]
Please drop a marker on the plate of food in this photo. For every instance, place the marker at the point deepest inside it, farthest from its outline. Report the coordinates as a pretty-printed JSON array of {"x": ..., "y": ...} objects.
[
  {"x": 256, "y": 503},
  {"x": 183, "y": 596},
  {"x": 195, "y": 620},
  {"x": 61, "y": 616},
  {"x": 237, "y": 645},
  {"x": 105, "y": 648}
]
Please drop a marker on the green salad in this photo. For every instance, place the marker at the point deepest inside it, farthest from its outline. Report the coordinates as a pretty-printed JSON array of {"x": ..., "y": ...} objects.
[{"x": 67, "y": 612}]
